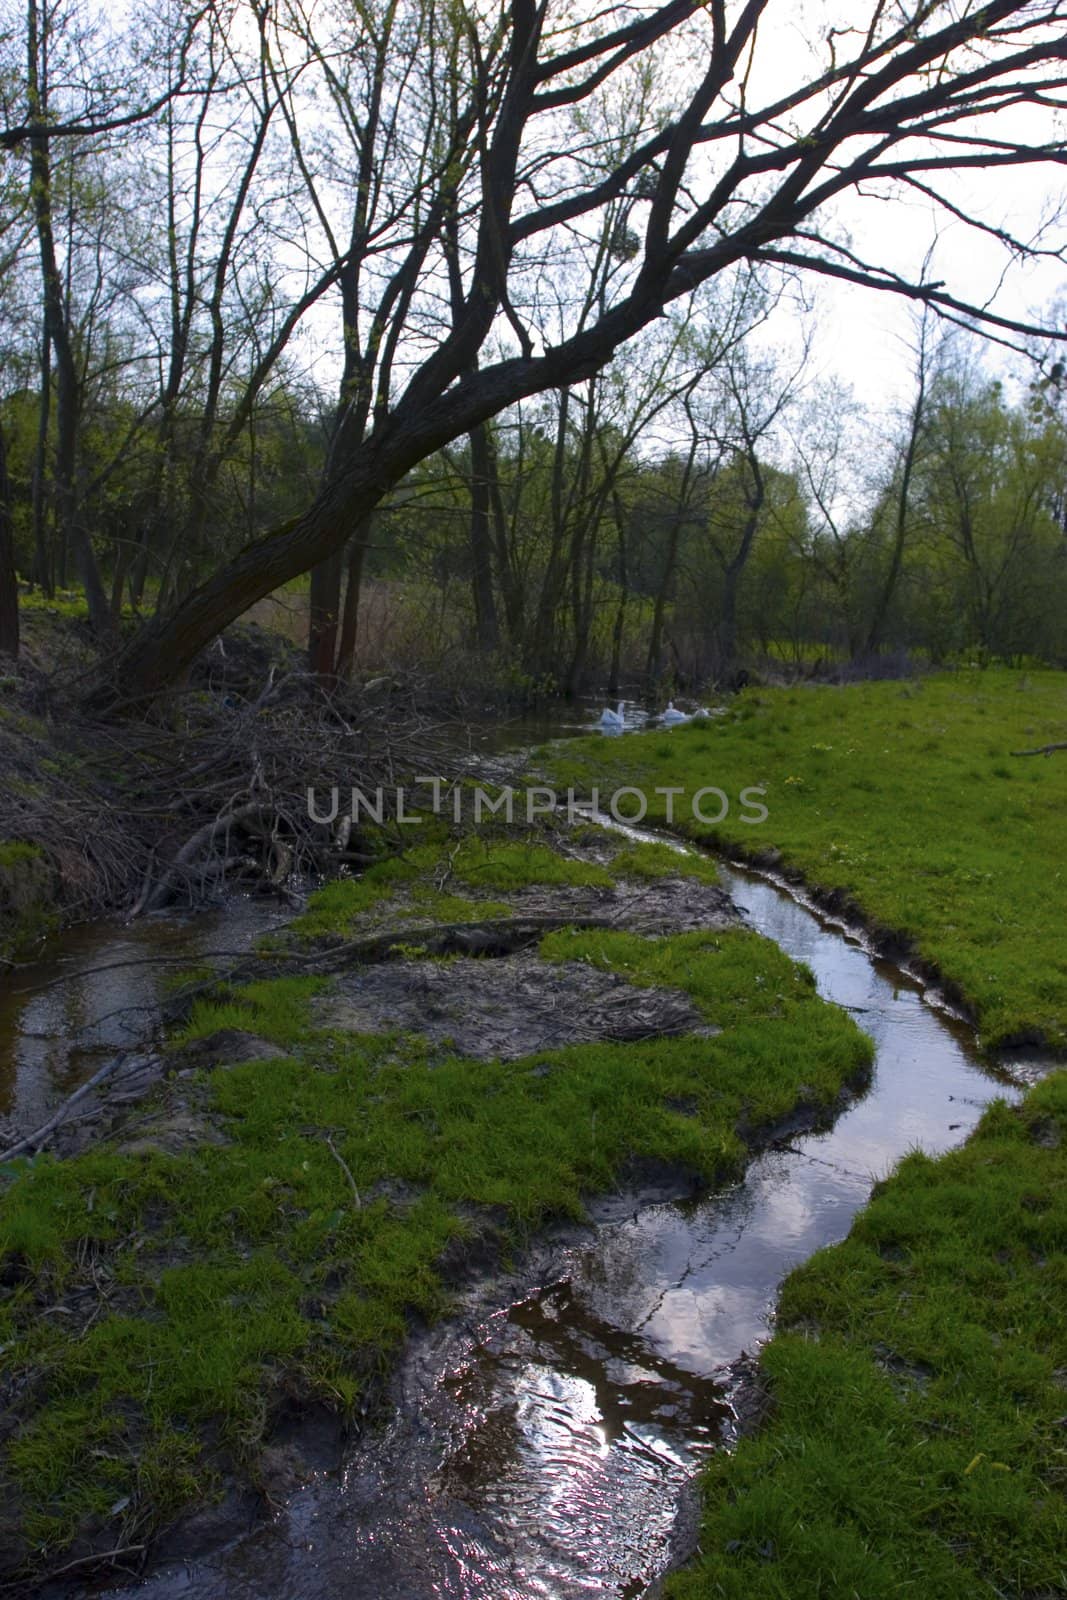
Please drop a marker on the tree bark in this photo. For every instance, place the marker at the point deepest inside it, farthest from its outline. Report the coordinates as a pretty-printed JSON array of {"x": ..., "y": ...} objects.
[
  {"x": 903, "y": 505},
  {"x": 57, "y": 332},
  {"x": 9, "y": 589},
  {"x": 43, "y": 564},
  {"x": 487, "y": 631},
  {"x": 346, "y": 650},
  {"x": 324, "y": 615},
  {"x": 624, "y": 595}
]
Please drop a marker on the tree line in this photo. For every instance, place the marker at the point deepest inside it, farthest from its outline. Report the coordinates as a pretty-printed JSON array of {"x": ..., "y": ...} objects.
[{"x": 474, "y": 293}]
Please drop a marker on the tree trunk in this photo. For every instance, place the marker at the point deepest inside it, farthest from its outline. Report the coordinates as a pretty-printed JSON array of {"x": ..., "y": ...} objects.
[
  {"x": 727, "y": 651},
  {"x": 487, "y": 631},
  {"x": 325, "y": 613},
  {"x": 624, "y": 597},
  {"x": 654, "y": 662},
  {"x": 165, "y": 649},
  {"x": 43, "y": 564},
  {"x": 57, "y": 331},
  {"x": 916, "y": 426},
  {"x": 9, "y": 589},
  {"x": 346, "y": 650},
  {"x": 125, "y": 552}
]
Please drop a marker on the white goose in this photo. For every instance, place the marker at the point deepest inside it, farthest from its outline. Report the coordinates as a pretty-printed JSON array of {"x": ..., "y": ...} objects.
[
  {"x": 612, "y": 719},
  {"x": 672, "y": 714}
]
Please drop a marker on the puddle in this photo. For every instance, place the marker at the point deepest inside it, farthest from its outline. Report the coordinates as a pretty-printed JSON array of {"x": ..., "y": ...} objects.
[
  {"x": 96, "y": 990},
  {"x": 542, "y": 1444}
]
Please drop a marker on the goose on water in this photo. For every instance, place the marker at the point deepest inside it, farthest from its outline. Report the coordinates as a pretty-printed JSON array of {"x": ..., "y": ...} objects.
[
  {"x": 672, "y": 714},
  {"x": 612, "y": 719}
]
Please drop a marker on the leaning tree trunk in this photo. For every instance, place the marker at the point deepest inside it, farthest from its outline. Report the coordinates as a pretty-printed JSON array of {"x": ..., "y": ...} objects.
[{"x": 166, "y": 648}]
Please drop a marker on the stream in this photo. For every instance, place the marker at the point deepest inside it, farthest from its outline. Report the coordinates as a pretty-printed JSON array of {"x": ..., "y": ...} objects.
[
  {"x": 97, "y": 989},
  {"x": 544, "y": 1442}
]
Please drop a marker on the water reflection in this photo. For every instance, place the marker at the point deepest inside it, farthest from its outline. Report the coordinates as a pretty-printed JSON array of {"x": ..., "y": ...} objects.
[
  {"x": 541, "y": 1448},
  {"x": 96, "y": 990},
  {"x": 578, "y": 717}
]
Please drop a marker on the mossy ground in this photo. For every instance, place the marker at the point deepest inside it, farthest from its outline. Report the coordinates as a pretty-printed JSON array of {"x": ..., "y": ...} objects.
[
  {"x": 917, "y": 1442},
  {"x": 906, "y": 797},
  {"x": 445, "y": 879},
  {"x": 159, "y": 1303},
  {"x": 27, "y": 906}
]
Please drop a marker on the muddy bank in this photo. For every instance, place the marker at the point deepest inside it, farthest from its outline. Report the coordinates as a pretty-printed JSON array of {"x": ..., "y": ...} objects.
[
  {"x": 1026, "y": 1052},
  {"x": 891, "y": 945},
  {"x": 28, "y": 898},
  {"x": 611, "y": 1042}
]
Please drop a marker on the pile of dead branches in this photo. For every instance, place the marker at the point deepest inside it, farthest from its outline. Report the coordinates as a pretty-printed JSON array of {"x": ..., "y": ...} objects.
[{"x": 209, "y": 791}]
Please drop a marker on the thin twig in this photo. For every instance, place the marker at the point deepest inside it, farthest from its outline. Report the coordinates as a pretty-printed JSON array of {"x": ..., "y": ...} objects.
[
  {"x": 32, "y": 1140},
  {"x": 346, "y": 1169},
  {"x": 184, "y": 958},
  {"x": 84, "y": 1561}
]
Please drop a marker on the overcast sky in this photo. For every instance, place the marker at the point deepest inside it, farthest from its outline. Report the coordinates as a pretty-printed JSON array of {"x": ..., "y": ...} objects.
[{"x": 863, "y": 335}]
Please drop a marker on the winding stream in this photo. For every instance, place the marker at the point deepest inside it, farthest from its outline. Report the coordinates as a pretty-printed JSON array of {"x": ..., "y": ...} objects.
[{"x": 544, "y": 1443}]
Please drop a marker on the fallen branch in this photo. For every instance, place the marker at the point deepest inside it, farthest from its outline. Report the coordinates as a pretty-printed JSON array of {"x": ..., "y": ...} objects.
[
  {"x": 205, "y": 836},
  {"x": 1042, "y": 749},
  {"x": 94, "y": 1559},
  {"x": 184, "y": 959},
  {"x": 496, "y": 936},
  {"x": 34, "y": 1140}
]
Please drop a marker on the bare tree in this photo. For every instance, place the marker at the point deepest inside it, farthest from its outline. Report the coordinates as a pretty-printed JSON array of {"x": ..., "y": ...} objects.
[
  {"x": 926, "y": 352},
  {"x": 728, "y": 174},
  {"x": 41, "y": 22}
]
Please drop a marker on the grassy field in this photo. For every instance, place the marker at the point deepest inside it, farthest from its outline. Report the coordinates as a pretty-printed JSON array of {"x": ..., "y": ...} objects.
[
  {"x": 918, "y": 1440},
  {"x": 908, "y": 798},
  {"x": 161, "y": 1298},
  {"x": 270, "y": 1238}
]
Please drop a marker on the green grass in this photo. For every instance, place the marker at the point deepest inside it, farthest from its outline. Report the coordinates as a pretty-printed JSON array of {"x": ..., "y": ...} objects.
[
  {"x": 443, "y": 878},
  {"x": 916, "y": 1443},
  {"x": 423, "y": 882},
  {"x": 906, "y": 797},
  {"x": 27, "y": 890},
  {"x": 232, "y": 1272},
  {"x": 917, "y": 1440}
]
